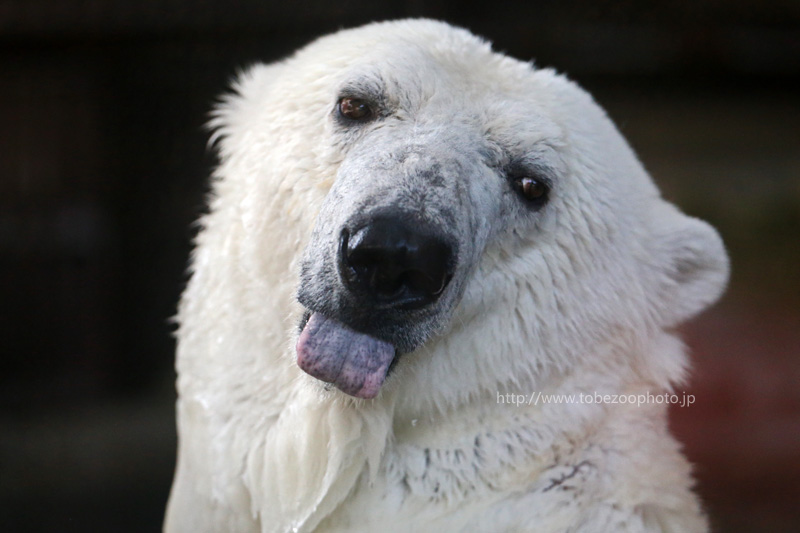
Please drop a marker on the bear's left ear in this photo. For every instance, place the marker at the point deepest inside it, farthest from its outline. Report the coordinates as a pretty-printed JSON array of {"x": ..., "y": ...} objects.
[{"x": 691, "y": 263}]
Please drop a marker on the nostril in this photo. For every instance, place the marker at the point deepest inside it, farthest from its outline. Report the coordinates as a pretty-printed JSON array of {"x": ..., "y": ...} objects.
[
  {"x": 430, "y": 283},
  {"x": 395, "y": 264}
]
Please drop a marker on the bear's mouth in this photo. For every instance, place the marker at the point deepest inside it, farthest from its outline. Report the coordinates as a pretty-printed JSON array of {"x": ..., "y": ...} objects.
[{"x": 354, "y": 362}]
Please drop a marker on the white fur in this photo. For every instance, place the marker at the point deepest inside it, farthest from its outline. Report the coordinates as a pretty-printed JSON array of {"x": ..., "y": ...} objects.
[{"x": 583, "y": 299}]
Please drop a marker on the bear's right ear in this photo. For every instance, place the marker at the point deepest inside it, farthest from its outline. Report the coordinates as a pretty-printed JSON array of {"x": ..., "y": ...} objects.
[{"x": 690, "y": 262}]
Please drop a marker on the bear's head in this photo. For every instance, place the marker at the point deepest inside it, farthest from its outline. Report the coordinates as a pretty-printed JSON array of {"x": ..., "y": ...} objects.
[{"x": 449, "y": 214}]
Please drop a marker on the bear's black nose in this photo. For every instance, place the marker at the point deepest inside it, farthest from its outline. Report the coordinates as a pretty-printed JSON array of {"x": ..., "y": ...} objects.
[{"x": 396, "y": 262}]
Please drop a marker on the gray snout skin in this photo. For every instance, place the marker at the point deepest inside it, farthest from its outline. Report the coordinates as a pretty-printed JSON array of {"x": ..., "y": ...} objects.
[{"x": 400, "y": 231}]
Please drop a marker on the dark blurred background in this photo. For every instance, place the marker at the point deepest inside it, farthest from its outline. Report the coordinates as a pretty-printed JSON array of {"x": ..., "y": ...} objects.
[{"x": 103, "y": 168}]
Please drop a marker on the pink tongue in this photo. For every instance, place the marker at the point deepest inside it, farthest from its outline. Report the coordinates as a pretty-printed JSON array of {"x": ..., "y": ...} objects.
[{"x": 356, "y": 363}]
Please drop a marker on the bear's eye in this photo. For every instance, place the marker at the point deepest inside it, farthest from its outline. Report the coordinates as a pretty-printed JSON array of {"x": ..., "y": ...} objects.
[
  {"x": 355, "y": 109},
  {"x": 532, "y": 189}
]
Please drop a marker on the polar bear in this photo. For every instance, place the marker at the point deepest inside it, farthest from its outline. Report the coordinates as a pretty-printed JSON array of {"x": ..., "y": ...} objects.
[{"x": 408, "y": 233}]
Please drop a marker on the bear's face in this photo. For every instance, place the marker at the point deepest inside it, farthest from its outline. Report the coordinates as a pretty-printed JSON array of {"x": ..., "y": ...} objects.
[
  {"x": 472, "y": 188},
  {"x": 426, "y": 183}
]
